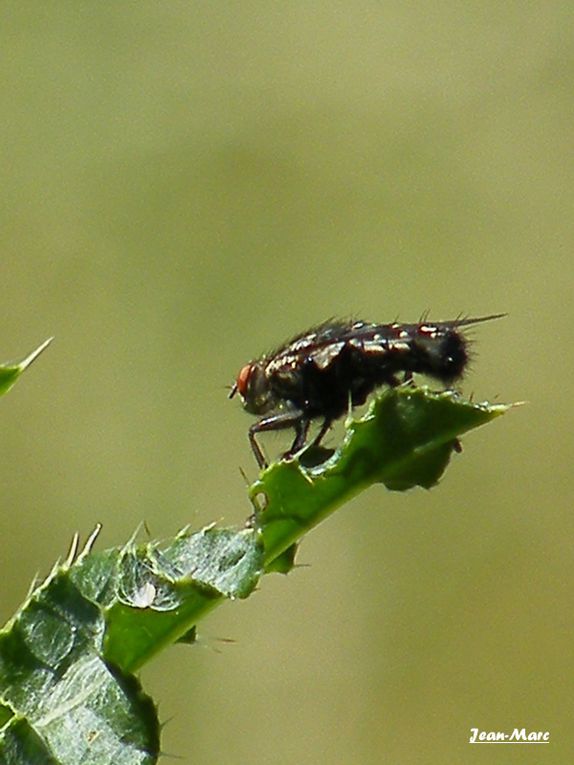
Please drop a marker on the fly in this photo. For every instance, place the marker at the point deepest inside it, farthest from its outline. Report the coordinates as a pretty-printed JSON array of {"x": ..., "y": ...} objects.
[{"x": 319, "y": 372}]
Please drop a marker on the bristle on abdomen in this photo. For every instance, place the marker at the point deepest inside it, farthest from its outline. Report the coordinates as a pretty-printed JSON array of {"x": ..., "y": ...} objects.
[{"x": 471, "y": 320}]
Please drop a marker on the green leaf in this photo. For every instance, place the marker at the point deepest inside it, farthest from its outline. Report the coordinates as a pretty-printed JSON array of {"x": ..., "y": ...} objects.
[
  {"x": 406, "y": 439},
  {"x": 68, "y": 704},
  {"x": 160, "y": 592},
  {"x": 9, "y": 373},
  {"x": 67, "y": 690},
  {"x": 67, "y": 657}
]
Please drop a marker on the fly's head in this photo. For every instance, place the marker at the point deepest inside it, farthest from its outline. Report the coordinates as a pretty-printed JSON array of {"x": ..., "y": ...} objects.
[{"x": 254, "y": 389}]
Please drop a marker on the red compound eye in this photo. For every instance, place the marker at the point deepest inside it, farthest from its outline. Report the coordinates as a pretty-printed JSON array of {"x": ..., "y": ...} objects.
[{"x": 243, "y": 379}]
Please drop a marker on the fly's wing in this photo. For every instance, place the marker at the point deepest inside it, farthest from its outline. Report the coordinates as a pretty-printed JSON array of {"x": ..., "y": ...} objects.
[
  {"x": 321, "y": 345},
  {"x": 382, "y": 340}
]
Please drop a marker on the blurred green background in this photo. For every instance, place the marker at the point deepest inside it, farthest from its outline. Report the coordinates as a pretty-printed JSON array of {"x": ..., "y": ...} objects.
[{"x": 184, "y": 185}]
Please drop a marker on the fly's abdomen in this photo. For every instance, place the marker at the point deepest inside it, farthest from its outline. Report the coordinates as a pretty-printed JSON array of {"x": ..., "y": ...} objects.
[
  {"x": 384, "y": 351},
  {"x": 438, "y": 351}
]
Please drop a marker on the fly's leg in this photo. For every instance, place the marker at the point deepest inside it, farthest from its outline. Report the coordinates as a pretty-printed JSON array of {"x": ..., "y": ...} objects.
[
  {"x": 293, "y": 418},
  {"x": 324, "y": 429},
  {"x": 301, "y": 430}
]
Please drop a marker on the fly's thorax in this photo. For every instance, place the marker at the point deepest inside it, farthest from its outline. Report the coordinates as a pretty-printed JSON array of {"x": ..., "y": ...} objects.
[{"x": 254, "y": 388}]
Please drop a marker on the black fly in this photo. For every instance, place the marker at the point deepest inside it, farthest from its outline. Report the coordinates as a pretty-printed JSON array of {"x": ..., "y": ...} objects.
[{"x": 319, "y": 373}]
